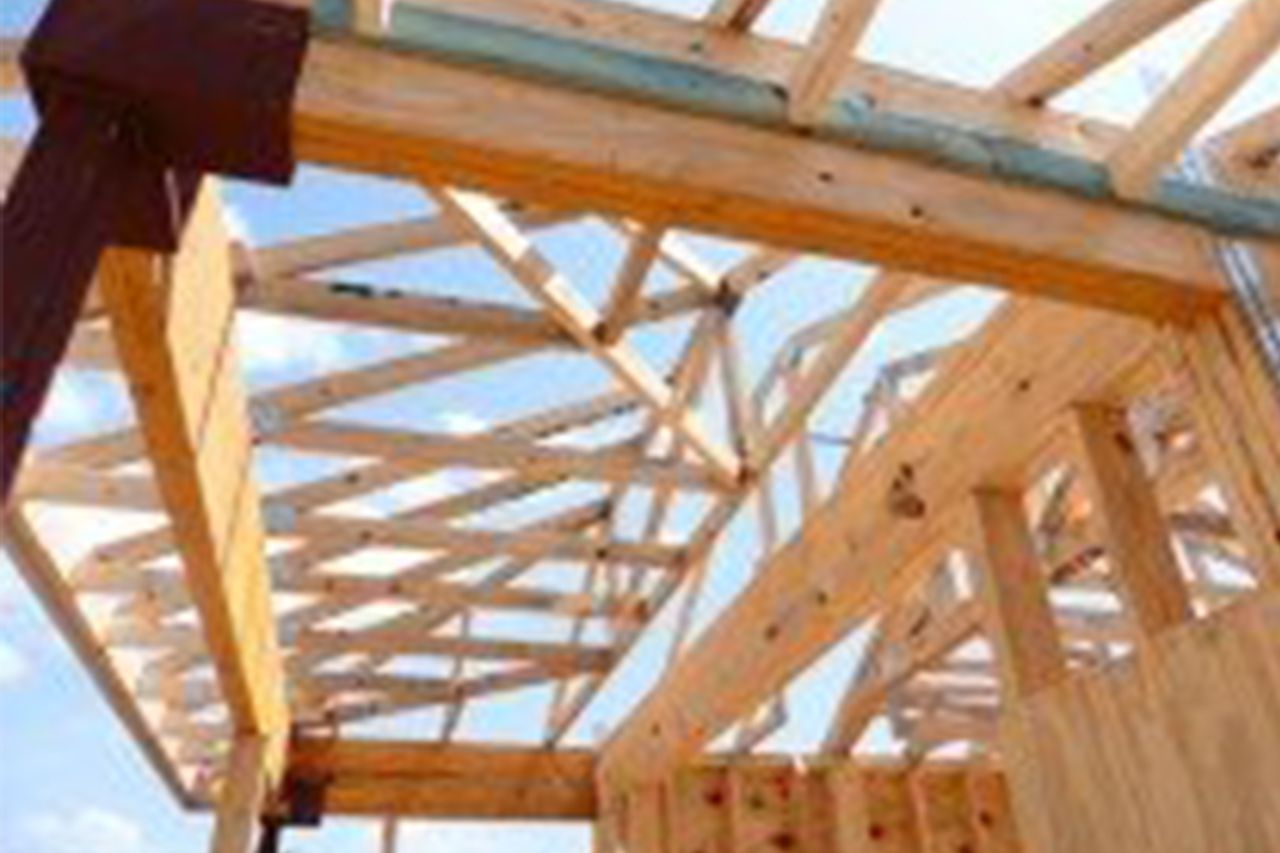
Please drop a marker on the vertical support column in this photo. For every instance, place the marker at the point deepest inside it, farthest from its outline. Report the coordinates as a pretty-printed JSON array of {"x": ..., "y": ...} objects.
[
  {"x": 243, "y": 792},
  {"x": 389, "y": 842},
  {"x": 1237, "y": 420},
  {"x": 54, "y": 223},
  {"x": 1015, "y": 595},
  {"x": 1134, "y": 530},
  {"x": 172, "y": 320}
]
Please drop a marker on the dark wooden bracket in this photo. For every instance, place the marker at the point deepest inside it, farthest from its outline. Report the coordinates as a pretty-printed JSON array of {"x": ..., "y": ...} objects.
[{"x": 137, "y": 100}]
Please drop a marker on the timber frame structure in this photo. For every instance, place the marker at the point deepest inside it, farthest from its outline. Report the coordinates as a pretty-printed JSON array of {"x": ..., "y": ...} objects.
[{"x": 1057, "y": 532}]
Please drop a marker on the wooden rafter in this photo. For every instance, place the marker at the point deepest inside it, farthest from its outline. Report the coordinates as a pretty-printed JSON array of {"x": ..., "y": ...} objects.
[
  {"x": 1010, "y": 513},
  {"x": 818, "y": 75},
  {"x": 1222, "y": 66},
  {"x": 521, "y": 259},
  {"x": 1098, "y": 39}
]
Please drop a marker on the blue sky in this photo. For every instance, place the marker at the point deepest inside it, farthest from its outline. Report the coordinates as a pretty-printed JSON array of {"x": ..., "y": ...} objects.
[{"x": 70, "y": 778}]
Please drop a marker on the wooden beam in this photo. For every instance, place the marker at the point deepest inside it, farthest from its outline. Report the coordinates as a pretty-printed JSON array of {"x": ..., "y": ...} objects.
[
  {"x": 840, "y": 26},
  {"x": 164, "y": 591},
  {"x": 1221, "y": 67},
  {"x": 530, "y": 459},
  {"x": 1252, "y": 144},
  {"x": 856, "y": 553},
  {"x": 1102, "y": 36},
  {"x": 242, "y": 796},
  {"x": 943, "y": 811},
  {"x": 1015, "y": 591},
  {"x": 1235, "y": 406},
  {"x": 511, "y": 249},
  {"x": 11, "y": 78},
  {"x": 921, "y": 648},
  {"x": 624, "y": 298},
  {"x": 774, "y": 60},
  {"x": 172, "y": 323},
  {"x": 1139, "y": 544},
  {"x": 398, "y": 310},
  {"x": 403, "y": 112},
  {"x": 374, "y": 242},
  {"x": 400, "y": 642},
  {"x": 881, "y": 296},
  {"x": 736, "y": 15},
  {"x": 280, "y": 406},
  {"x": 36, "y": 564},
  {"x": 429, "y": 536},
  {"x": 414, "y": 779}
]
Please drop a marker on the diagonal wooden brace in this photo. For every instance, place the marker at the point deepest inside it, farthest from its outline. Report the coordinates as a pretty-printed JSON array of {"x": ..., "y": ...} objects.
[{"x": 137, "y": 100}]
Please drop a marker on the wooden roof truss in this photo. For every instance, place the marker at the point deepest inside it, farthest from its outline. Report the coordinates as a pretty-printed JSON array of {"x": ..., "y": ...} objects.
[{"x": 234, "y": 607}]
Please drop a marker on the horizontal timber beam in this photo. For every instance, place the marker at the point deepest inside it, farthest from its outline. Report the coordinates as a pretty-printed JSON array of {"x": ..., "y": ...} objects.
[
  {"x": 671, "y": 36},
  {"x": 981, "y": 420},
  {"x": 414, "y": 779},
  {"x": 414, "y": 112}
]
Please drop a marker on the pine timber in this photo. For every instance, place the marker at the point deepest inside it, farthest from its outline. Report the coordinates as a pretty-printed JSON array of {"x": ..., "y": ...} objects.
[
  {"x": 194, "y": 419},
  {"x": 855, "y": 552},
  {"x": 830, "y": 51},
  {"x": 1236, "y": 406},
  {"x": 1015, "y": 591},
  {"x": 754, "y": 55},
  {"x": 414, "y": 779},
  {"x": 1177, "y": 749},
  {"x": 1022, "y": 511},
  {"x": 765, "y": 802},
  {"x": 1136, "y": 535},
  {"x": 1223, "y": 65},
  {"x": 117, "y": 159},
  {"x": 243, "y": 798},
  {"x": 1108, "y": 32},
  {"x": 407, "y": 114}
]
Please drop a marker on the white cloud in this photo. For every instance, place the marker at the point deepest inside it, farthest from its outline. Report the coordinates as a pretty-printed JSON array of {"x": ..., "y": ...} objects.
[
  {"x": 237, "y": 225},
  {"x": 458, "y": 422},
  {"x": 88, "y": 828},
  {"x": 269, "y": 342},
  {"x": 68, "y": 408},
  {"x": 13, "y": 666}
]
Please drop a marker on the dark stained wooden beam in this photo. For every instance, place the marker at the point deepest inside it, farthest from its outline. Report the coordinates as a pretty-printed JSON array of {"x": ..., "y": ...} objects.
[{"x": 136, "y": 100}]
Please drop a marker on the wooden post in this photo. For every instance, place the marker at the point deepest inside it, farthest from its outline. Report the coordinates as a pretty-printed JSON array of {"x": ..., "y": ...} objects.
[
  {"x": 390, "y": 836},
  {"x": 1015, "y": 594},
  {"x": 1237, "y": 419},
  {"x": 98, "y": 172},
  {"x": 172, "y": 322},
  {"x": 243, "y": 791},
  {"x": 1133, "y": 529}
]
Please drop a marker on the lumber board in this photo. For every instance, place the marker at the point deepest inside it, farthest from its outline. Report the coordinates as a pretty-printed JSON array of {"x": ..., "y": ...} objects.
[
  {"x": 407, "y": 113},
  {"x": 855, "y": 553},
  {"x": 1176, "y": 749},
  {"x": 414, "y": 779},
  {"x": 172, "y": 325}
]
